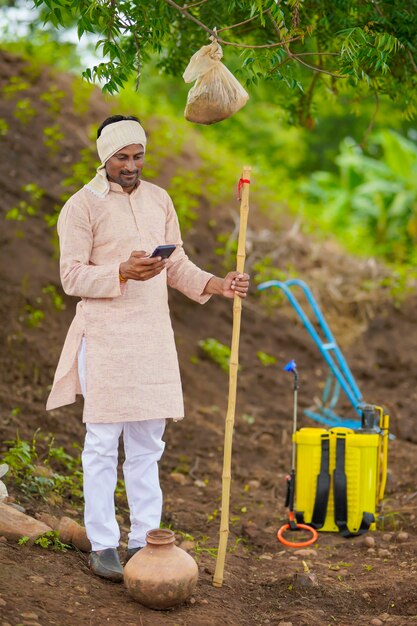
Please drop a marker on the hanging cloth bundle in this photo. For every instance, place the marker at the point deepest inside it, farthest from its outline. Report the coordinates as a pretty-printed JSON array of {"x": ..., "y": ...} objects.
[{"x": 217, "y": 94}]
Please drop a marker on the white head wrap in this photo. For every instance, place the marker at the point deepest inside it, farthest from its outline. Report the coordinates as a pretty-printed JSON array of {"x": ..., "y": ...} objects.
[{"x": 113, "y": 138}]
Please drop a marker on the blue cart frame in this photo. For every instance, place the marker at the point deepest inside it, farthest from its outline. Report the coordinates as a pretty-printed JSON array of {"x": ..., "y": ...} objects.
[{"x": 340, "y": 376}]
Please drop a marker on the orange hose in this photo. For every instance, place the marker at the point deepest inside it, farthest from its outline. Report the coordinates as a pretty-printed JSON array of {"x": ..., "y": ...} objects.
[{"x": 299, "y": 544}]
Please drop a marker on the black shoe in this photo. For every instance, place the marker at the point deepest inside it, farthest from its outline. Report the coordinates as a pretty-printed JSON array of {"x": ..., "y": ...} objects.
[
  {"x": 131, "y": 552},
  {"x": 106, "y": 563}
]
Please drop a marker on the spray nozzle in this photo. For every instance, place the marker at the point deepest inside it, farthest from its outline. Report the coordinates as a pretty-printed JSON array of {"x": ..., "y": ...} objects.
[{"x": 292, "y": 367}]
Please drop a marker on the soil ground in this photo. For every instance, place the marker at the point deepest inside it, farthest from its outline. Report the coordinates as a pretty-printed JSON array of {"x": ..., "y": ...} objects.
[{"x": 357, "y": 583}]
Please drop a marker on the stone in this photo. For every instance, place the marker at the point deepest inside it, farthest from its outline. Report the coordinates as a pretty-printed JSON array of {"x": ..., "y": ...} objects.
[
  {"x": 306, "y": 552},
  {"x": 200, "y": 483},
  {"x": 49, "y": 520},
  {"x": 181, "y": 479},
  {"x": 384, "y": 554},
  {"x": 2, "y": 602},
  {"x": 387, "y": 537},
  {"x": 38, "y": 580},
  {"x": 187, "y": 545},
  {"x": 402, "y": 536},
  {"x": 29, "y": 615},
  {"x": 285, "y": 624},
  {"x": 69, "y": 531},
  {"x": 369, "y": 541},
  {"x": 376, "y": 622},
  {"x": 14, "y": 524},
  {"x": 3, "y": 539},
  {"x": 305, "y": 579},
  {"x": 18, "y": 507}
]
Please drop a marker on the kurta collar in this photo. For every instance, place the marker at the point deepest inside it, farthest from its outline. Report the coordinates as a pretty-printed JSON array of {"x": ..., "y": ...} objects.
[{"x": 119, "y": 189}]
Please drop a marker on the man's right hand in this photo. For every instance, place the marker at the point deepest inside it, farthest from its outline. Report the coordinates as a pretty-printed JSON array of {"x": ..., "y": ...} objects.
[{"x": 140, "y": 266}]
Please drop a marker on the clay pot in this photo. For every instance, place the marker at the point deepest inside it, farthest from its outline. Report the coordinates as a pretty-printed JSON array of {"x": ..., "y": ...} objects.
[{"x": 161, "y": 575}]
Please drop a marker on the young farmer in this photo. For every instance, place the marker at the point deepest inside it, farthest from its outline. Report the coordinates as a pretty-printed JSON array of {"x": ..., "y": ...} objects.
[{"x": 119, "y": 351}]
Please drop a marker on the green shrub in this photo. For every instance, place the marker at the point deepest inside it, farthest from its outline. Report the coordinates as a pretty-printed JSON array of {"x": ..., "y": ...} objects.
[
  {"x": 40, "y": 475},
  {"x": 216, "y": 352}
]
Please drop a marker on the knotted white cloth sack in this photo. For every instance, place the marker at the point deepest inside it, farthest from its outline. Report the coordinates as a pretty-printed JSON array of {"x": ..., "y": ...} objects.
[{"x": 217, "y": 94}]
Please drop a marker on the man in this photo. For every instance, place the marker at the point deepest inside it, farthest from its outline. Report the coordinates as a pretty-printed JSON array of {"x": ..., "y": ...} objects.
[{"x": 119, "y": 351}]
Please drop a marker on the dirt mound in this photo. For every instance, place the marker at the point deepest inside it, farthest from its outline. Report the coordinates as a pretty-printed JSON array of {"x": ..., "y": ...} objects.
[{"x": 357, "y": 582}]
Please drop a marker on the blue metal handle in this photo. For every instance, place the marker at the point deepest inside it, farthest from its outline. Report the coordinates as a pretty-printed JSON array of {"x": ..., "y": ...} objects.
[{"x": 338, "y": 364}]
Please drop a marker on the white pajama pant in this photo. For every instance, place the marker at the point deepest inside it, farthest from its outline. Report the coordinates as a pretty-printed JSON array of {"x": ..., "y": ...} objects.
[{"x": 143, "y": 449}]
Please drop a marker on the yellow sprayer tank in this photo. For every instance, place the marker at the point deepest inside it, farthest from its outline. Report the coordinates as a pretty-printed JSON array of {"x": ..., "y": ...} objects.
[{"x": 360, "y": 478}]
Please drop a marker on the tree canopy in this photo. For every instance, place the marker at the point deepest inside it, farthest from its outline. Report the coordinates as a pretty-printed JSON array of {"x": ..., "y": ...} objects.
[{"x": 302, "y": 45}]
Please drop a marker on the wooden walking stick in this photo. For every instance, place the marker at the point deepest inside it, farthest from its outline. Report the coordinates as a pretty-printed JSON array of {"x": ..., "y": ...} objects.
[{"x": 243, "y": 187}]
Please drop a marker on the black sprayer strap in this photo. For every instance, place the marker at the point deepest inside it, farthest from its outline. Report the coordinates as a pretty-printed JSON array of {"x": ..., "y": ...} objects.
[
  {"x": 289, "y": 500},
  {"x": 323, "y": 485},
  {"x": 322, "y": 488},
  {"x": 340, "y": 493},
  {"x": 340, "y": 486}
]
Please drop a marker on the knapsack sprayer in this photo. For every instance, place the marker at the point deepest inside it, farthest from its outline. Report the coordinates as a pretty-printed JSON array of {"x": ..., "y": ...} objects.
[{"x": 338, "y": 476}]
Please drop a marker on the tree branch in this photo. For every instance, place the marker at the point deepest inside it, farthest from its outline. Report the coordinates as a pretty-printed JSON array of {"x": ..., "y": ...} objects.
[
  {"x": 295, "y": 57},
  {"x": 213, "y": 33},
  {"x": 313, "y": 67},
  {"x": 253, "y": 46},
  {"x": 191, "y": 17}
]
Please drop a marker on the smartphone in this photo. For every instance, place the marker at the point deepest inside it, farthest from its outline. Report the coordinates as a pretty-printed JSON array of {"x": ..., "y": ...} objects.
[{"x": 164, "y": 251}]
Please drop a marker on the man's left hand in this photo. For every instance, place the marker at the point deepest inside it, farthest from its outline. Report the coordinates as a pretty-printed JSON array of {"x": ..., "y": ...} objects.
[{"x": 235, "y": 284}]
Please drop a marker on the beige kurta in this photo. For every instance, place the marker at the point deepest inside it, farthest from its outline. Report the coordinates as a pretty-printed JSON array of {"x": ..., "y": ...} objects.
[{"x": 132, "y": 368}]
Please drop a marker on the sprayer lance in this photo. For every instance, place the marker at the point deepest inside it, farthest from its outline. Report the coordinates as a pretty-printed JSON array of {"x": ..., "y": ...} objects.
[{"x": 289, "y": 500}]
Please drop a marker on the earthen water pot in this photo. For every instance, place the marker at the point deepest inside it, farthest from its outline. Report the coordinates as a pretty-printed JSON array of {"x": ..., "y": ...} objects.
[{"x": 161, "y": 575}]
